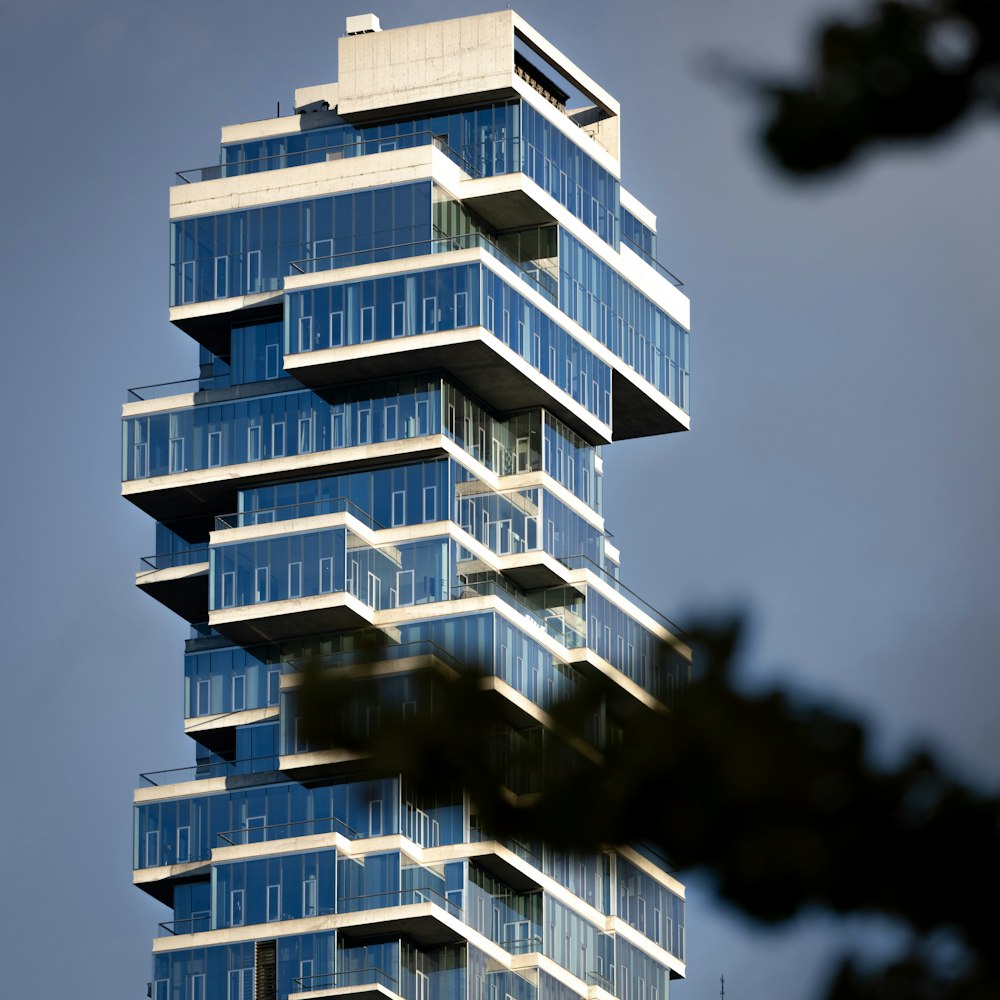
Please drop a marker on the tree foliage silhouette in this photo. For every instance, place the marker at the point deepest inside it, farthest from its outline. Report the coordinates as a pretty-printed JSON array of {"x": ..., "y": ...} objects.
[
  {"x": 904, "y": 69},
  {"x": 779, "y": 803}
]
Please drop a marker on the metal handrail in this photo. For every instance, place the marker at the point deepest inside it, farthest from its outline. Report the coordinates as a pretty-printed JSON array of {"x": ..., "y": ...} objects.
[
  {"x": 238, "y": 168},
  {"x": 652, "y": 261},
  {"x": 225, "y": 521},
  {"x": 437, "y": 244},
  {"x": 244, "y": 832}
]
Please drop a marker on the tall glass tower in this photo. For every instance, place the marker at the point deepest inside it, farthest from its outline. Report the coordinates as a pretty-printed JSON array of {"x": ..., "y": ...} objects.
[{"x": 424, "y": 304}]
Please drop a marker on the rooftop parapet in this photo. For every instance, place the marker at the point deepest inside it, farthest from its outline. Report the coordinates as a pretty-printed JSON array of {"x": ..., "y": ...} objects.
[{"x": 483, "y": 57}]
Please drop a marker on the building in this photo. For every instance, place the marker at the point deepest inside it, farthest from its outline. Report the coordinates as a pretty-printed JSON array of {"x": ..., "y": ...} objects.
[{"x": 423, "y": 304}]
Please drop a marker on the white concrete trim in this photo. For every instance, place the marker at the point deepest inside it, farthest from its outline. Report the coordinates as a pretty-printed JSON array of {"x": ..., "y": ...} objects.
[
  {"x": 330, "y": 992},
  {"x": 291, "y": 606},
  {"x": 616, "y": 925},
  {"x": 157, "y": 873},
  {"x": 309, "y": 180},
  {"x": 264, "y": 128},
  {"x": 635, "y": 207},
  {"x": 355, "y": 454},
  {"x": 179, "y": 789},
  {"x": 568, "y": 127},
  {"x": 142, "y": 407},
  {"x": 221, "y": 307},
  {"x": 384, "y": 268},
  {"x": 148, "y": 577},
  {"x": 224, "y": 720},
  {"x": 536, "y": 960},
  {"x": 633, "y": 857},
  {"x": 584, "y": 654},
  {"x": 332, "y": 921},
  {"x": 448, "y": 338},
  {"x": 584, "y": 83},
  {"x": 588, "y": 578}
]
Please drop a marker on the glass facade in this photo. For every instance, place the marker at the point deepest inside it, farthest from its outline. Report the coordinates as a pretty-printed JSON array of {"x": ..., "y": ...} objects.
[
  {"x": 487, "y": 140},
  {"x": 241, "y": 253},
  {"x": 448, "y": 299},
  {"x": 625, "y": 320},
  {"x": 405, "y": 520}
]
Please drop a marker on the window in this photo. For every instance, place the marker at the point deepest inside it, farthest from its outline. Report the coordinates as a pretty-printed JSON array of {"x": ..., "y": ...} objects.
[
  {"x": 278, "y": 439},
  {"x": 322, "y": 252},
  {"x": 305, "y": 333},
  {"x": 236, "y": 901},
  {"x": 309, "y": 896},
  {"x": 187, "y": 281},
  {"x": 364, "y": 425},
  {"x": 399, "y": 319},
  {"x": 254, "y": 451},
  {"x": 375, "y": 818},
  {"x": 239, "y": 692},
  {"x": 201, "y": 699},
  {"x": 183, "y": 844},
  {"x": 367, "y": 324},
  {"x": 326, "y": 574},
  {"x": 273, "y": 686},
  {"x": 430, "y": 314},
  {"x": 391, "y": 422},
  {"x": 430, "y": 503},
  {"x": 306, "y": 434},
  {"x": 405, "y": 587},
  {"x": 214, "y": 449},
  {"x": 295, "y": 579},
  {"x": 273, "y": 903},
  {"x": 221, "y": 277},
  {"x": 228, "y": 589},
  {"x": 176, "y": 458},
  {"x": 152, "y": 848},
  {"x": 374, "y": 591},
  {"x": 336, "y": 329},
  {"x": 272, "y": 362},
  {"x": 261, "y": 585},
  {"x": 253, "y": 272}
]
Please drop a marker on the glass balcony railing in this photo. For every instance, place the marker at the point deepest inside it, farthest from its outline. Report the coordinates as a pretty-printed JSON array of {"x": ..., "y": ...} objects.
[
  {"x": 583, "y": 562},
  {"x": 311, "y": 508},
  {"x": 326, "y": 154},
  {"x": 652, "y": 262},
  {"x": 398, "y": 897},
  {"x": 555, "y": 623},
  {"x": 163, "y": 390},
  {"x": 191, "y": 925},
  {"x": 346, "y": 980},
  {"x": 545, "y": 279},
  {"x": 283, "y": 831},
  {"x": 169, "y": 560},
  {"x": 209, "y": 769}
]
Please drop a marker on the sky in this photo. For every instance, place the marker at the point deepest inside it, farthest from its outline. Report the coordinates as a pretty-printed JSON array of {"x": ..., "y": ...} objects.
[{"x": 839, "y": 485}]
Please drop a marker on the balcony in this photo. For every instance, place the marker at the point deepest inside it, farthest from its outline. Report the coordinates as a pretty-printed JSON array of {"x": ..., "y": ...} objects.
[
  {"x": 359, "y": 984},
  {"x": 326, "y": 154},
  {"x": 424, "y": 915},
  {"x": 178, "y": 580}
]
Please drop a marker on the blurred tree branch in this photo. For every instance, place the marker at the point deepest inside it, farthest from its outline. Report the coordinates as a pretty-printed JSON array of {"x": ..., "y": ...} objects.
[
  {"x": 780, "y": 804},
  {"x": 905, "y": 69}
]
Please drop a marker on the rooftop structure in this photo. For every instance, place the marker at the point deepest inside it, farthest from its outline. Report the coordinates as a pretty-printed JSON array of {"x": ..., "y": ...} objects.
[{"x": 424, "y": 304}]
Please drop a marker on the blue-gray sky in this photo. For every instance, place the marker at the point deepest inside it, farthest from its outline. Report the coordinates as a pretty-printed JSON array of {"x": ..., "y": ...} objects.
[{"x": 840, "y": 481}]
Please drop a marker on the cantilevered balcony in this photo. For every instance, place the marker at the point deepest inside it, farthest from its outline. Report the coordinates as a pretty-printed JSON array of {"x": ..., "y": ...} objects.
[
  {"x": 357, "y": 984},
  {"x": 178, "y": 580},
  {"x": 455, "y": 309}
]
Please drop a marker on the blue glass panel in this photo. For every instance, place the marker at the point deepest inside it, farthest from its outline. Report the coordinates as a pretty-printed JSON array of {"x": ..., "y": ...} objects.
[{"x": 645, "y": 337}]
